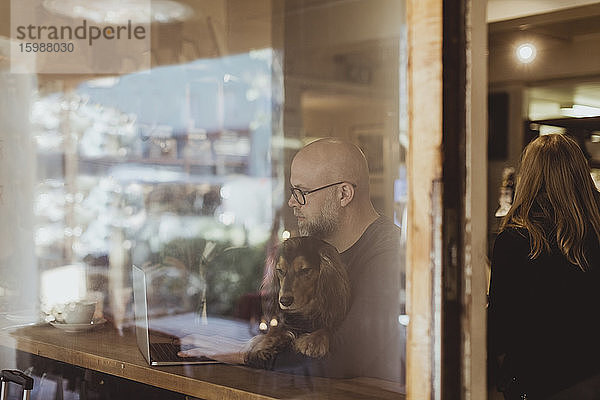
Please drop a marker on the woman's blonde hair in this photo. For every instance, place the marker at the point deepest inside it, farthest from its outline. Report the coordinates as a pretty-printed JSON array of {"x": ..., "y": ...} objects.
[{"x": 556, "y": 196}]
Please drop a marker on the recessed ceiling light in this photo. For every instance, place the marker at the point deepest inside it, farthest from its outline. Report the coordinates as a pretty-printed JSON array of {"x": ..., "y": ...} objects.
[{"x": 526, "y": 53}]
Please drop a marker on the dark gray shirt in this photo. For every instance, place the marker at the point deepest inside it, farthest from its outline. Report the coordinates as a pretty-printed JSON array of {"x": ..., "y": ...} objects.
[{"x": 371, "y": 341}]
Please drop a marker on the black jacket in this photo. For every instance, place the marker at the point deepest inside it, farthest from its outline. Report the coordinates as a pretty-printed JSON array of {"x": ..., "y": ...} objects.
[{"x": 543, "y": 315}]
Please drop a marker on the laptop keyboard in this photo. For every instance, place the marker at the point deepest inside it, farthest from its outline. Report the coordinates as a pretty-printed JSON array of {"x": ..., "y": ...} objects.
[{"x": 168, "y": 352}]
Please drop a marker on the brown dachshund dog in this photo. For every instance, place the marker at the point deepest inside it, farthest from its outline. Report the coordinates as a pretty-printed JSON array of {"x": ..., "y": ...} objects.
[{"x": 307, "y": 296}]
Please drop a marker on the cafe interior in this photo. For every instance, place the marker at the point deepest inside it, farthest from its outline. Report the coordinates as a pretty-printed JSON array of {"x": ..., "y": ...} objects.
[{"x": 178, "y": 162}]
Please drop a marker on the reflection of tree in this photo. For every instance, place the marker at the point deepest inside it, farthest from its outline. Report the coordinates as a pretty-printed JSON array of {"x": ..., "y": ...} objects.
[
  {"x": 232, "y": 273},
  {"x": 225, "y": 273},
  {"x": 192, "y": 255},
  {"x": 187, "y": 251}
]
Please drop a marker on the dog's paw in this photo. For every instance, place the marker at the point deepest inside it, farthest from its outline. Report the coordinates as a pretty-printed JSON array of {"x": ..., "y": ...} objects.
[
  {"x": 315, "y": 344},
  {"x": 263, "y": 348}
]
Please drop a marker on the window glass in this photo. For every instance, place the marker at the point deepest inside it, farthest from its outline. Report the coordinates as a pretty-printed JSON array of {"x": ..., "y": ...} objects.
[{"x": 183, "y": 170}]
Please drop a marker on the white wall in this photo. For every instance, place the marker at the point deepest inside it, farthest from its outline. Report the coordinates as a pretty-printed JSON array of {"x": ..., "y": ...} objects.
[{"x": 18, "y": 267}]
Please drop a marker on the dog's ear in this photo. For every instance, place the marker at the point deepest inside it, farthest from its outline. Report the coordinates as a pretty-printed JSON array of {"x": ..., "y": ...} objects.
[
  {"x": 333, "y": 286},
  {"x": 269, "y": 289}
]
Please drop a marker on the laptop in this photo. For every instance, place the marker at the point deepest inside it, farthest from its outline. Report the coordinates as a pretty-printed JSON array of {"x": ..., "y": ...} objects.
[{"x": 155, "y": 353}]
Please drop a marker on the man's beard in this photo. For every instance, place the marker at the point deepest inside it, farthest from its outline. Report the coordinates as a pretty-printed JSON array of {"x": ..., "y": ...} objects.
[{"x": 325, "y": 224}]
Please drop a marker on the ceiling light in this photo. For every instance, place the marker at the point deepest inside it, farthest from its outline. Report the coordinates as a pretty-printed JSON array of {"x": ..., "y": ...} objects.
[
  {"x": 526, "y": 53},
  {"x": 551, "y": 130},
  {"x": 580, "y": 111},
  {"x": 107, "y": 82},
  {"x": 118, "y": 12}
]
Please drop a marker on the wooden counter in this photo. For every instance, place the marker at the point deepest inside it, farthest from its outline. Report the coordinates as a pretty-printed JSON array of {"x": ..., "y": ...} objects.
[{"x": 106, "y": 351}]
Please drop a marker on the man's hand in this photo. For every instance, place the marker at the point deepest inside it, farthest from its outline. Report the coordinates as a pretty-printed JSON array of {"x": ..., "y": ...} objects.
[{"x": 225, "y": 350}]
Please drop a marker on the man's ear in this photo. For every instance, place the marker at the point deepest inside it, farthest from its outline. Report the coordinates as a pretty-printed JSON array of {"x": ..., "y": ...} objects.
[{"x": 347, "y": 194}]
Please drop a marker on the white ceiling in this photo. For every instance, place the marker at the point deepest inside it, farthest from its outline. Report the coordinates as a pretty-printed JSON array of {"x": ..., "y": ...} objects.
[{"x": 499, "y": 10}]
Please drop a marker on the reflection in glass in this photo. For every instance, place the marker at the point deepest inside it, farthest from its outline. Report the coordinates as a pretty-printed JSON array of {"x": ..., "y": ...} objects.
[
  {"x": 183, "y": 169},
  {"x": 173, "y": 169}
]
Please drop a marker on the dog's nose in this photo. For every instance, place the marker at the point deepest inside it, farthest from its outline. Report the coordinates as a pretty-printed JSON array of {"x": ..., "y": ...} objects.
[{"x": 286, "y": 301}]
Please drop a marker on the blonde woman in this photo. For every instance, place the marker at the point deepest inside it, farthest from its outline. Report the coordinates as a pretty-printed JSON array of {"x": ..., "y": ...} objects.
[{"x": 544, "y": 309}]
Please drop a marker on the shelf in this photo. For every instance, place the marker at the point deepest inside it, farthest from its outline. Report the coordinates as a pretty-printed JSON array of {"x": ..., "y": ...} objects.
[{"x": 109, "y": 161}]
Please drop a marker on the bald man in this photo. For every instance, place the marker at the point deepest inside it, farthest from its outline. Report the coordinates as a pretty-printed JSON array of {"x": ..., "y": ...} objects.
[
  {"x": 331, "y": 178},
  {"x": 331, "y": 200}
]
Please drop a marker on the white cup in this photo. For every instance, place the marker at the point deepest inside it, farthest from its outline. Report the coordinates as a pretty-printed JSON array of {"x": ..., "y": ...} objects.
[{"x": 79, "y": 312}]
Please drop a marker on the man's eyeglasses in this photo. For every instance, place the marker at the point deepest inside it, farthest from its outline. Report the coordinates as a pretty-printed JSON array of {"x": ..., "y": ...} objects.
[{"x": 300, "y": 195}]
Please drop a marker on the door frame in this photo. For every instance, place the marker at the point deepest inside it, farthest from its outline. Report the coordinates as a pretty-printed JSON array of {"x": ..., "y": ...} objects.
[{"x": 447, "y": 224}]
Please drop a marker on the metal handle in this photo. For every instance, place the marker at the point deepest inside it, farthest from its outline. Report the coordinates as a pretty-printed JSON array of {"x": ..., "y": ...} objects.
[{"x": 18, "y": 377}]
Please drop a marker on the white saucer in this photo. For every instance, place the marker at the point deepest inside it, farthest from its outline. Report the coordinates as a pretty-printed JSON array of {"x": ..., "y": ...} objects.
[{"x": 78, "y": 327}]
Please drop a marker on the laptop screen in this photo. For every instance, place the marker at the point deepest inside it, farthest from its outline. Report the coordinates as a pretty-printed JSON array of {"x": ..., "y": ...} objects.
[
  {"x": 153, "y": 332},
  {"x": 140, "y": 307}
]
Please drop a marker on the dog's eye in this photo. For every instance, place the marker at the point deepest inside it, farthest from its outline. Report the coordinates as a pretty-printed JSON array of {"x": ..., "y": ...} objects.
[
  {"x": 305, "y": 271},
  {"x": 280, "y": 271}
]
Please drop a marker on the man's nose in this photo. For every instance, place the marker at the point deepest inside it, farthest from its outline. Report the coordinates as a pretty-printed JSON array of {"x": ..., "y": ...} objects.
[{"x": 292, "y": 202}]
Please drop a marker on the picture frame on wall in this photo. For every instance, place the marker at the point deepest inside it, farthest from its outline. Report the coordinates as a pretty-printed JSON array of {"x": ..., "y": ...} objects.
[
  {"x": 370, "y": 139},
  {"x": 498, "y": 126}
]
